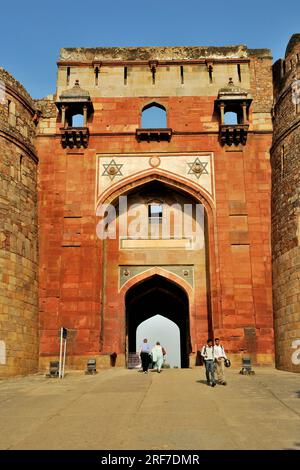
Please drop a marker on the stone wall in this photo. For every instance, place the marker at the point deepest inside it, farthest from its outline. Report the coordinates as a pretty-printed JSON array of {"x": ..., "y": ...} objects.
[
  {"x": 18, "y": 231},
  {"x": 79, "y": 274},
  {"x": 179, "y": 71},
  {"x": 285, "y": 158}
]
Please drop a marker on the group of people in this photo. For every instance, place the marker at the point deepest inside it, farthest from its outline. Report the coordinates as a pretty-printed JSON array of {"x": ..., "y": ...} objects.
[
  {"x": 153, "y": 355},
  {"x": 215, "y": 358}
]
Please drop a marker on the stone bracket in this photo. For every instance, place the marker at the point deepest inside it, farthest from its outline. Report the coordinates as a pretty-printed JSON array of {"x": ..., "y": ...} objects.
[
  {"x": 74, "y": 137},
  {"x": 233, "y": 134}
]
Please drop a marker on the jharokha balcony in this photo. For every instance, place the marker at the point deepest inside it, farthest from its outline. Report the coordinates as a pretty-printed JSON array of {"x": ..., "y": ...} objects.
[
  {"x": 74, "y": 102},
  {"x": 236, "y": 101}
]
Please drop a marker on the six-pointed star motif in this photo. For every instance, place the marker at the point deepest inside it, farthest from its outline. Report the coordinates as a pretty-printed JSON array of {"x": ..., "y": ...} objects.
[
  {"x": 112, "y": 169},
  {"x": 197, "y": 168}
]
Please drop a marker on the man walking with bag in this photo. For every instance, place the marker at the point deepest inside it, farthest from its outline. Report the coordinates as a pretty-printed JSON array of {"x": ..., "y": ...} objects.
[
  {"x": 209, "y": 360},
  {"x": 220, "y": 356}
]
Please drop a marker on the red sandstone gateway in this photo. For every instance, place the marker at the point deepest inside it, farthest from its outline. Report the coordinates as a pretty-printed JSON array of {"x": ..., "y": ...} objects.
[
  {"x": 208, "y": 150},
  {"x": 104, "y": 289}
]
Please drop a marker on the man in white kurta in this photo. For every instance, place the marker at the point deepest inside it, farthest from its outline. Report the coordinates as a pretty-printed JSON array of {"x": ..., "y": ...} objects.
[{"x": 157, "y": 356}]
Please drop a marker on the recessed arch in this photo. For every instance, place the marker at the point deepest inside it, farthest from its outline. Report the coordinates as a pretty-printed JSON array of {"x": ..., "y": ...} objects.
[
  {"x": 231, "y": 118},
  {"x": 171, "y": 180},
  {"x": 207, "y": 305},
  {"x": 158, "y": 295},
  {"x": 153, "y": 103},
  {"x": 157, "y": 271},
  {"x": 77, "y": 120},
  {"x": 164, "y": 330},
  {"x": 153, "y": 116}
]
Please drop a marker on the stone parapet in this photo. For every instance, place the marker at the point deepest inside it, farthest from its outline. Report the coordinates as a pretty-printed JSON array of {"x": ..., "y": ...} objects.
[{"x": 14, "y": 84}]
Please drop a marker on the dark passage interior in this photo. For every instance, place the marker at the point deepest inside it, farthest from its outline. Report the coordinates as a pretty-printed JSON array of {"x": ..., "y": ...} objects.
[{"x": 158, "y": 296}]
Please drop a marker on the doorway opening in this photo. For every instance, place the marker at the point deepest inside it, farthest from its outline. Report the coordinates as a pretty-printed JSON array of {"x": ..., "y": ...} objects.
[
  {"x": 160, "y": 328},
  {"x": 157, "y": 296}
]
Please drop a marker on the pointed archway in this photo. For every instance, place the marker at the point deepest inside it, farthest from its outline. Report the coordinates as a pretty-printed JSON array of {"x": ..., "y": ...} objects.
[
  {"x": 160, "y": 328},
  {"x": 126, "y": 265},
  {"x": 157, "y": 295}
]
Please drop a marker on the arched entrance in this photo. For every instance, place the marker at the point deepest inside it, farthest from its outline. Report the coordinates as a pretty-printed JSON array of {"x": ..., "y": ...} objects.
[
  {"x": 157, "y": 295},
  {"x": 159, "y": 328},
  {"x": 187, "y": 269}
]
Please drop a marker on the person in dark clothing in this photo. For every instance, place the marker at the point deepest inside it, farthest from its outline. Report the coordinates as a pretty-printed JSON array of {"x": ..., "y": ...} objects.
[{"x": 145, "y": 351}]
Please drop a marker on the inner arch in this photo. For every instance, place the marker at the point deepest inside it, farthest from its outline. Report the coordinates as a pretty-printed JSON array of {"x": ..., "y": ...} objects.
[
  {"x": 160, "y": 328},
  {"x": 158, "y": 296}
]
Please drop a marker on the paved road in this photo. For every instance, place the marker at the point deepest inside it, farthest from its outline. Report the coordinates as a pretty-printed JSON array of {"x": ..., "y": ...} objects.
[{"x": 125, "y": 409}]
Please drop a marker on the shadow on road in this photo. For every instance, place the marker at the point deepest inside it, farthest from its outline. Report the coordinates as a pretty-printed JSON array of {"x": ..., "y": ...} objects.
[
  {"x": 202, "y": 382},
  {"x": 296, "y": 446}
]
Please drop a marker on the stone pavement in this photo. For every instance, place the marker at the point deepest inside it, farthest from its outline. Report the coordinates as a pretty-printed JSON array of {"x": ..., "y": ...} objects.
[{"x": 125, "y": 409}]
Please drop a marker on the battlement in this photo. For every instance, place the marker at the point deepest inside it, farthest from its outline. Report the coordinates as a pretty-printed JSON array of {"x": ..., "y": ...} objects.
[
  {"x": 16, "y": 87},
  {"x": 17, "y": 112},
  {"x": 294, "y": 43},
  {"x": 288, "y": 69},
  {"x": 109, "y": 72},
  {"x": 178, "y": 53}
]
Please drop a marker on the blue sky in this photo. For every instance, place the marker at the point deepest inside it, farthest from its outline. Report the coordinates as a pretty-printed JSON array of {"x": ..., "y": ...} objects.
[{"x": 32, "y": 32}]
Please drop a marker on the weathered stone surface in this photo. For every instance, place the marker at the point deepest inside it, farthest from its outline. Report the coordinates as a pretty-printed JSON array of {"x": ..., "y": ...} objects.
[
  {"x": 79, "y": 274},
  {"x": 230, "y": 293},
  {"x": 18, "y": 234},
  {"x": 260, "y": 412},
  {"x": 285, "y": 158},
  {"x": 180, "y": 53}
]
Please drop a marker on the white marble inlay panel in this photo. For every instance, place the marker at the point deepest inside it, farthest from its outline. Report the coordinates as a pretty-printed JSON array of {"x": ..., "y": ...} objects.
[{"x": 196, "y": 167}]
